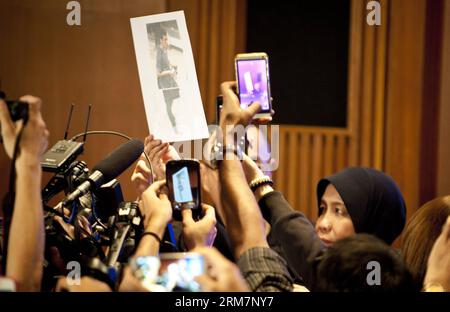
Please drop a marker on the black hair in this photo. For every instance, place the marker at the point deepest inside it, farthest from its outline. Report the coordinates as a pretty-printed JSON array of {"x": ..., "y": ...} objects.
[
  {"x": 162, "y": 33},
  {"x": 346, "y": 266}
]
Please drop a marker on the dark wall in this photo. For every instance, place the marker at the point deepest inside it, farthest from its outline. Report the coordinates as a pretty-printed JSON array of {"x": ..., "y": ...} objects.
[{"x": 307, "y": 44}]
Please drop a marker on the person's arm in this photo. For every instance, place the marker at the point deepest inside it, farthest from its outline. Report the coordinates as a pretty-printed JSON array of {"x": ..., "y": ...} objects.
[
  {"x": 166, "y": 73},
  {"x": 162, "y": 62},
  {"x": 26, "y": 236},
  {"x": 26, "y": 242},
  {"x": 87, "y": 284},
  {"x": 199, "y": 233},
  {"x": 290, "y": 229},
  {"x": 263, "y": 269},
  {"x": 157, "y": 212},
  {"x": 242, "y": 216},
  {"x": 223, "y": 275},
  {"x": 294, "y": 233}
]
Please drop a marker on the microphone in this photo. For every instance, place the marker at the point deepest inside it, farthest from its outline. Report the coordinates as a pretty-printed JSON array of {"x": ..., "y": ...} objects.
[{"x": 109, "y": 168}]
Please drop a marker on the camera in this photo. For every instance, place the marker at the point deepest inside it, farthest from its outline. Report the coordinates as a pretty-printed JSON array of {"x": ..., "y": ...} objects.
[
  {"x": 253, "y": 82},
  {"x": 183, "y": 181},
  {"x": 17, "y": 109}
]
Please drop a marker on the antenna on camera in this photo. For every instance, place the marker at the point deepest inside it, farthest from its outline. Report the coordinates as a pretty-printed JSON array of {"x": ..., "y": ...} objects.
[
  {"x": 68, "y": 121},
  {"x": 87, "y": 123},
  {"x": 62, "y": 154}
]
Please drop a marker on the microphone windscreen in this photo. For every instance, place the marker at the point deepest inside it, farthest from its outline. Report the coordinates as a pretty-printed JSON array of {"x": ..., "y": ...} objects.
[{"x": 120, "y": 159}]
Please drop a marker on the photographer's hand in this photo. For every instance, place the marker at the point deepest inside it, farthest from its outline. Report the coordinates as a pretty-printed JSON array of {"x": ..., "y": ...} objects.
[
  {"x": 202, "y": 232},
  {"x": 222, "y": 275},
  {"x": 87, "y": 284},
  {"x": 35, "y": 134},
  {"x": 157, "y": 212},
  {"x": 245, "y": 224},
  {"x": 252, "y": 171},
  {"x": 232, "y": 114},
  {"x": 26, "y": 259}
]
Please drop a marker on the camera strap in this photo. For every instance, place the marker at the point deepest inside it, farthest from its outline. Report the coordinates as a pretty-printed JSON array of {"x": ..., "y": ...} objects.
[{"x": 9, "y": 199}]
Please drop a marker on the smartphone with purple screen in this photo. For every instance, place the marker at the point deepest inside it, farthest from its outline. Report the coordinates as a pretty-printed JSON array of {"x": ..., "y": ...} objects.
[{"x": 253, "y": 83}]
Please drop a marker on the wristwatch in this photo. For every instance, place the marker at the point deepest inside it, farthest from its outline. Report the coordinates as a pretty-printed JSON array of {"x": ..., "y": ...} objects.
[{"x": 219, "y": 151}]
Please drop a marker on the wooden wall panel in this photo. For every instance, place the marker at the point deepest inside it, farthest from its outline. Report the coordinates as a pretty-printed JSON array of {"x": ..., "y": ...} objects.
[
  {"x": 392, "y": 99},
  {"x": 379, "y": 85},
  {"x": 306, "y": 155},
  {"x": 443, "y": 168},
  {"x": 89, "y": 64},
  {"x": 95, "y": 63},
  {"x": 431, "y": 100},
  {"x": 404, "y": 97},
  {"x": 368, "y": 103},
  {"x": 304, "y": 174},
  {"x": 218, "y": 30}
]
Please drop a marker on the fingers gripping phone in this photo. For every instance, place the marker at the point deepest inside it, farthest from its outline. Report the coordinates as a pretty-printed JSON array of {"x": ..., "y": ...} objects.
[
  {"x": 183, "y": 180},
  {"x": 253, "y": 82},
  {"x": 170, "y": 271}
]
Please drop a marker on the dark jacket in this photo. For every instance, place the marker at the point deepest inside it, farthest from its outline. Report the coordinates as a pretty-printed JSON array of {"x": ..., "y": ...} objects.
[
  {"x": 373, "y": 200},
  {"x": 292, "y": 235}
]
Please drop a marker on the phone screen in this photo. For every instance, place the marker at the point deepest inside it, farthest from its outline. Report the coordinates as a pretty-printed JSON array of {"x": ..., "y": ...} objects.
[
  {"x": 253, "y": 81},
  {"x": 182, "y": 187},
  {"x": 183, "y": 180},
  {"x": 169, "y": 272}
]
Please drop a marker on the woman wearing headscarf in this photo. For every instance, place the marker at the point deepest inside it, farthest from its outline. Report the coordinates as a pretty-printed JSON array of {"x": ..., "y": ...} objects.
[{"x": 355, "y": 200}]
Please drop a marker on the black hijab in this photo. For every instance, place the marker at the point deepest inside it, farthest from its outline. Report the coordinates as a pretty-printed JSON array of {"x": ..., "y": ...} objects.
[{"x": 373, "y": 200}]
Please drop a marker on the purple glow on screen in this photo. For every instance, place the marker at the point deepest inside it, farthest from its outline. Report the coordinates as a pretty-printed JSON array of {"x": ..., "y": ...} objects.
[{"x": 252, "y": 80}]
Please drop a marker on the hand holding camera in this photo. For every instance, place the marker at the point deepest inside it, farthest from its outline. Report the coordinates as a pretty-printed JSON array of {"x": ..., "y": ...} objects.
[
  {"x": 34, "y": 139},
  {"x": 232, "y": 114},
  {"x": 202, "y": 232},
  {"x": 155, "y": 207},
  {"x": 222, "y": 275},
  {"x": 17, "y": 109}
]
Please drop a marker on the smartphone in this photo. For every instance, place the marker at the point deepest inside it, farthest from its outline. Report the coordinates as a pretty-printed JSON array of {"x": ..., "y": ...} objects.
[
  {"x": 253, "y": 82},
  {"x": 175, "y": 271},
  {"x": 183, "y": 180}
]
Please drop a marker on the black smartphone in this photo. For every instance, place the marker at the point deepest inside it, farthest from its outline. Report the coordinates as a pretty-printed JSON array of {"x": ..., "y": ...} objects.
[
  {"x": 253, "y": 81},
  {"x": 183, "y": 181}
]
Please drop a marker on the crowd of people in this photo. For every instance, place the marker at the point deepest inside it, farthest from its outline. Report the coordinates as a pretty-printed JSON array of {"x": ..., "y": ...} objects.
[{"x": 251, "y": 238}]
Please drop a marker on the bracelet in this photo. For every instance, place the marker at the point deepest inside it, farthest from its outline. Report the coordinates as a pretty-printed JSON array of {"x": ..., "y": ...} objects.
[
  {"x": 260, "y": 181},
  {"x": 152, "y": 234},
  {"x": 219, "y": 151}
]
